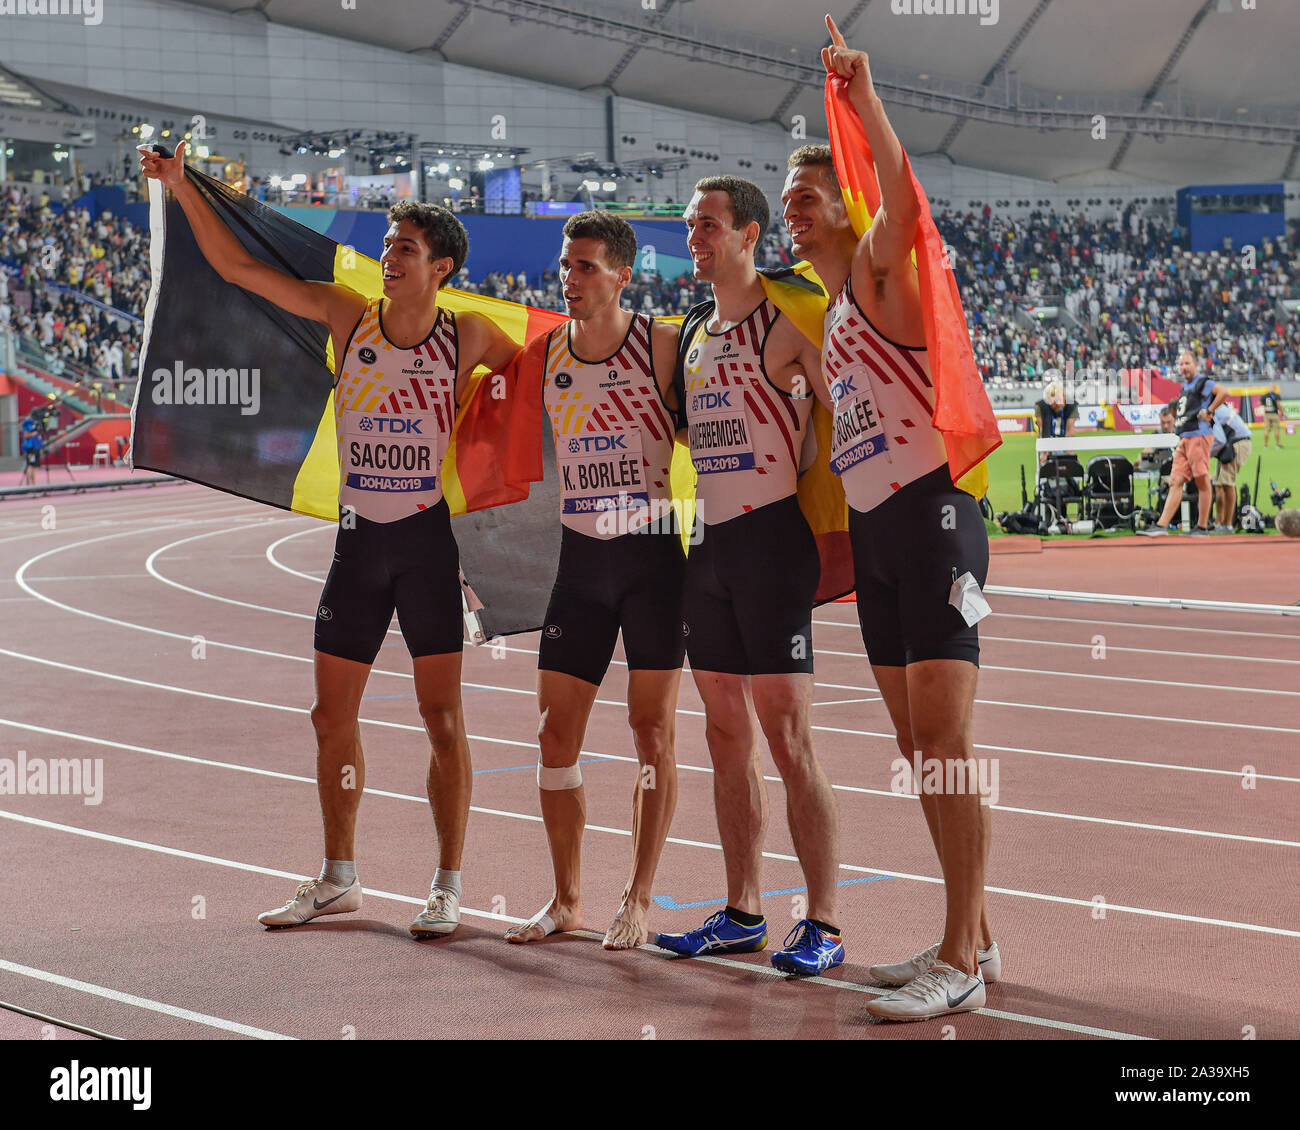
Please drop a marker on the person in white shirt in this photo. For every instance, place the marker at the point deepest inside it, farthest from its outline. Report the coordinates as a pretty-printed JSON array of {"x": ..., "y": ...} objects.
[{"x": 1231, "y": 448}]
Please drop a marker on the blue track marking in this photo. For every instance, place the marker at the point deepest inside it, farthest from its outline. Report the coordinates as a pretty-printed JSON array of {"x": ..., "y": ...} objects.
[{"x": 667, "y": 902}]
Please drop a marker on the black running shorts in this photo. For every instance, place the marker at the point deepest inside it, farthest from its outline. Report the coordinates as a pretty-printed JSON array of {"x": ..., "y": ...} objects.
[
  {"x": 750, "y": 584},
  {"x": 410, "y": 566},
  {"x": 906, "y": 553},
  {"x": 633, "y": 582}
]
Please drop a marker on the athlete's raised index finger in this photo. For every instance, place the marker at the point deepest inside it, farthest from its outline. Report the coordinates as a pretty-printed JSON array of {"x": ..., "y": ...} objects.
[{"x": 836, "y": 38}]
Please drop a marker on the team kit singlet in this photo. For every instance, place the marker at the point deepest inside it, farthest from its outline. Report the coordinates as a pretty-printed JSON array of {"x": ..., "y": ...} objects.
[
  {"x": 883, "y": 435},
  {"x": 394, "y": 410},
  {"x": 746, "y": 435},
  {"x": 613, "y": 434}
]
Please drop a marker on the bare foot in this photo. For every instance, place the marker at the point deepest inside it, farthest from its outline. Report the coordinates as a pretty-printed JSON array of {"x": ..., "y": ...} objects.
[
  {"x": 555, "y": 919},
  {"x": 628, "y": 929}
]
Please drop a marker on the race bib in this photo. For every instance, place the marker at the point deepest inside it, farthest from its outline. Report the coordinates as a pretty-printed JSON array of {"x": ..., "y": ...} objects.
[
  {"x": 719, "y": 431},
  {"x": 602, "y": 471},
  {"x": 392, "y": 454},
  {"x": 857, "y": 433}
]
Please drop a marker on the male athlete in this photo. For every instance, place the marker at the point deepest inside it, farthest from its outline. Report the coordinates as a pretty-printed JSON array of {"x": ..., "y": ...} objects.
[
  {"x": 747, "y": 377},
  {"x": 402, "y": 364},
  {"x": 913, "y": 532},
  {"x": 608, "y": 390}
]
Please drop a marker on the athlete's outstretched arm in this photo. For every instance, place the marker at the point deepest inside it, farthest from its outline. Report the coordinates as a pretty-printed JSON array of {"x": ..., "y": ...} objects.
[
  {"x": 482, "y": 342},
  {"x": 337, "y": 306},
  {"x": 893, "y": 231}
]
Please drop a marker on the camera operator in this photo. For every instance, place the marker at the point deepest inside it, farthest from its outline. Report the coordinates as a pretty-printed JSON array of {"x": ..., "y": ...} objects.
[
  {"x": 31, "y": 443},
  {"x": 1231, "y": 448},
  {"x": 1055, "y": 417},
  {"x": 1194, "y": 416}
]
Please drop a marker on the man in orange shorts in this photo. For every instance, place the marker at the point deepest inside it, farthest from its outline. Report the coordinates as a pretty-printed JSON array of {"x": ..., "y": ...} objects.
[{"x": 1194, "y": 423}]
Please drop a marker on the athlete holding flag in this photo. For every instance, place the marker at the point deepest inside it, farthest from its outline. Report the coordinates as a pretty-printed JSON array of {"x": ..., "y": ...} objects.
[
  {"x": 402, "y": 365},
  {"x": 920, "y": 548}
]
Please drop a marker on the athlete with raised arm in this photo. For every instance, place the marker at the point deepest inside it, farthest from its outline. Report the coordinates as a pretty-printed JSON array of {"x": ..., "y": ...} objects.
[
  {"x": 913, "y": 532},
  {"x": 402, "y": 364}
]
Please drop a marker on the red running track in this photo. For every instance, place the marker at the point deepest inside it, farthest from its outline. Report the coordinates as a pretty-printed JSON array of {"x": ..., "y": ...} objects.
[{"x": 1120, "y": 734}]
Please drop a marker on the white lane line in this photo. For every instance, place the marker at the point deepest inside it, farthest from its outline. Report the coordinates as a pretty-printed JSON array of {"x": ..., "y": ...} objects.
[
  {"x": 1058, "y": 620},
  {"x": 19, "y": 576},
  {"x": 761, "y": 970},
  {"x": 1163, "y": 652},
  {"x": 140, "y": 1002},
  {"x": 1109, "y": 713},
  {"x": 855, "y": 868},
  {"x": 1172, "y": 602}
]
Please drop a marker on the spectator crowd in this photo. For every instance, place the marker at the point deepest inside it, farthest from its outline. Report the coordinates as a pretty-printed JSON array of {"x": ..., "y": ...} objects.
[
  {"x": 1133, "y": 293},
  {"x": 105, "y": 258}
]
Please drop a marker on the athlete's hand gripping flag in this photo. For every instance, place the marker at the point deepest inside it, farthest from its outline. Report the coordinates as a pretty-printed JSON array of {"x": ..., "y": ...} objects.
[{"x": 962, "y": 411}]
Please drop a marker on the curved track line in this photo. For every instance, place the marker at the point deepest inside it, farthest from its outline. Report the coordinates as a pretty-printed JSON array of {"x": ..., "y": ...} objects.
[
  {"x": 20, "y": 578},
  {"x": 760, "y": 970},
  {"x": 1014, "y": 892}
]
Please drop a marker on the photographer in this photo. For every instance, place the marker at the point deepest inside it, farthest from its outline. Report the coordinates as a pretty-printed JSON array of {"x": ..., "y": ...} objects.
[
  {"x": 1231, "y": 448},
  {"x": 1055, "y": 417},
  {"x": 1194, "y": 416}
]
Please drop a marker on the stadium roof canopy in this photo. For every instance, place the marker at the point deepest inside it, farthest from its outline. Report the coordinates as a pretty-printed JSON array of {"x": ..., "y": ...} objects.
[{"x": 1192, "y": 90}]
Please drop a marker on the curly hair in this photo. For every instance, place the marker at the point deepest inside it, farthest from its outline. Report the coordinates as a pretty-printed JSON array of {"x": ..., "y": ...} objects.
[{"x": 445, "y": 235}]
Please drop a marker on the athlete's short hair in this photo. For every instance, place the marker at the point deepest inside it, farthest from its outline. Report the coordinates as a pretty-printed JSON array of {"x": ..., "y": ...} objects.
[
  {"x": 748, "y": 204},
  {"x": 614, "y": 232},
  {"x": 445, "y": 235},
  {"x": 816, "y": 156}
]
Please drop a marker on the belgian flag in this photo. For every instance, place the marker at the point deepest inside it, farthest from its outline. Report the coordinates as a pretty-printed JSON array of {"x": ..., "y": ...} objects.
[
  {"x": 962, "y": 411},
  {"x": 271, "y": 437}
]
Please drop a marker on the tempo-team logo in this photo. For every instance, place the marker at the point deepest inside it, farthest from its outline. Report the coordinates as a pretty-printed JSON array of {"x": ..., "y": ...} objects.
[
  {"x": 367, "y": 355},
  {"x": 563, "y": 380}
]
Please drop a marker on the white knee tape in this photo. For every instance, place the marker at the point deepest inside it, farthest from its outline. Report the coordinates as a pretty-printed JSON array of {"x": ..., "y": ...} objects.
[{"x": 553, "y": 780}]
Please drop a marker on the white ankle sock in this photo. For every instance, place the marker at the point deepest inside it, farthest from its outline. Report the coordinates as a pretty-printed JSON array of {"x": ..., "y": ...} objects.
[
  {"x": 447, "y": 880},
  {"x": 340, "y": 872}
]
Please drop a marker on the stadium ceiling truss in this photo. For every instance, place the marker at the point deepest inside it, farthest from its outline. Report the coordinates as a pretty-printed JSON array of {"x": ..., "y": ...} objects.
[{"x": 1000, "y": 100}]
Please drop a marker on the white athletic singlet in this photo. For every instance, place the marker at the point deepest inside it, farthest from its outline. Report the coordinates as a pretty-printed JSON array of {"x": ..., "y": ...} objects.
[
  {"x": 883, "y": 436},
  {"x": 613, "y": 434},
  {"x": 393, "y": 414},
  {"x": 746, "y": 435}
]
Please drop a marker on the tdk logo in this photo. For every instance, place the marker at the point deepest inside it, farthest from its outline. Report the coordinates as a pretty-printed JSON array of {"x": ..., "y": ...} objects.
[
  {"x": 842, "y": 388},
  {"x": 390, "y": 425},
  {"x": 367, "y": 355},
  {"x": 705, "y": 400},
  {"x": 598, "y": 443},
  {"x": 563, "y": 380}
]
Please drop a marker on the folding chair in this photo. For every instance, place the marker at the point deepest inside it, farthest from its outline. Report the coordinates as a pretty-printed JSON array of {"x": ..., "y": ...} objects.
[
  {"x": 1060, "y": 484},
  {"x": 1109, "y": 490}
]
